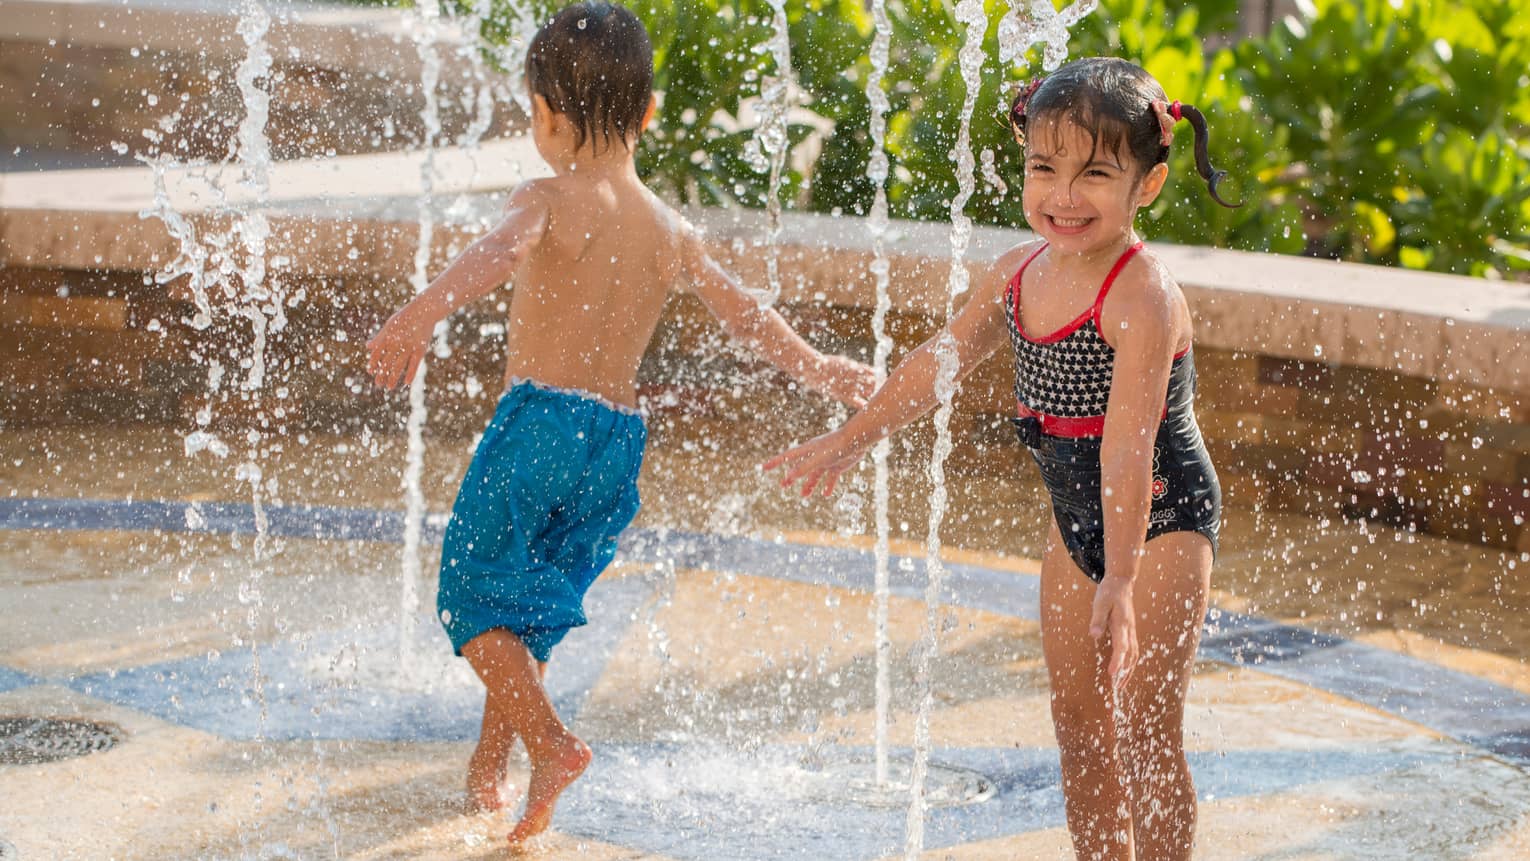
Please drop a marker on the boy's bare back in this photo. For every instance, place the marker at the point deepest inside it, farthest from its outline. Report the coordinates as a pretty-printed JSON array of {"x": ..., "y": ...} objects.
[
  {"x": 591, "y": 290},
  {"x": 591, "y": 254}
]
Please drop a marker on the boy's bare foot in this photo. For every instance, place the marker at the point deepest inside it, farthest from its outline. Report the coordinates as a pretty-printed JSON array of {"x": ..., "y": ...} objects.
[
  {"x": 552, "y": 773},
  {"x": 485, "y": 780}
]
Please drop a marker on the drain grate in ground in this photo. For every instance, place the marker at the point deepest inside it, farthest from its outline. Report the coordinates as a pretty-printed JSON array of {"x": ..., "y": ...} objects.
[{"x": 28, "y": 740}]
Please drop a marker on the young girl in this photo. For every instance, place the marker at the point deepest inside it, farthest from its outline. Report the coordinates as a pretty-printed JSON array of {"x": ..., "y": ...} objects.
[{"x": 1104, "y": 381}]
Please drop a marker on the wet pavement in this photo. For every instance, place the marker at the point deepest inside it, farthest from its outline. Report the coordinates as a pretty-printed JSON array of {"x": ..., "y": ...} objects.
[{"x": 1362, "y": 693}]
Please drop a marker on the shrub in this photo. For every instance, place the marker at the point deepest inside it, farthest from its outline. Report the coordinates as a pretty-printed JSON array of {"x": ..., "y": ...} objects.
[{"x": 1387, "y": 131}]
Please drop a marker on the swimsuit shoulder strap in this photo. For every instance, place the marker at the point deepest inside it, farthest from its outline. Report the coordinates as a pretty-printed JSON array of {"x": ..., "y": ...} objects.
[{"x": 1099, "y": 301}]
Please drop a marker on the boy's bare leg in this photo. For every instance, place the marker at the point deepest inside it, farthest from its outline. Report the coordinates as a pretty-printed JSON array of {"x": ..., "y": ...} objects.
[
  {"x": 486, "y": 768},
  {"x": 514, "y": 683}
]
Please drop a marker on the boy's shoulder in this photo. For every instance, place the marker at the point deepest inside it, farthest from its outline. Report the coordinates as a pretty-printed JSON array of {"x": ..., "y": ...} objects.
[
  {"x": 536, "y": 195},
  {"x": 541, "y": 191}
]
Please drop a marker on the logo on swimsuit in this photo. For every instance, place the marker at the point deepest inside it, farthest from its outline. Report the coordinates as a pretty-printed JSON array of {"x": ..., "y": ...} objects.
[{"x": 1160, "y": 487}]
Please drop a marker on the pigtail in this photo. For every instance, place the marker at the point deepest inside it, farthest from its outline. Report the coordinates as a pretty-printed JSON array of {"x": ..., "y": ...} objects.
[{"x": 1202, "y": 160}]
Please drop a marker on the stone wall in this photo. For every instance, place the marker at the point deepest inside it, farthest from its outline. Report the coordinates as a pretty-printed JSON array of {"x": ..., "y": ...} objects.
[
  {"x": 1327, "y": 439},
  {"x": 1335, "y": 389}
]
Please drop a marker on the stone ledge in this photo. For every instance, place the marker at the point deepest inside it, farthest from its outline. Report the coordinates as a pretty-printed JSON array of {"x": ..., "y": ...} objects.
[
  {"x": 357, "y": 215},
  {"x": 331, "y": 36}
]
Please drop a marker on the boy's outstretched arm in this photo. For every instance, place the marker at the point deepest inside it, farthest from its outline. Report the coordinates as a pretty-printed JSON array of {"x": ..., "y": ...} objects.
[
  {"x": 395, "y": 352},
  {"x": 765, "y": 332},
  {"x": 977, "y": 330}
]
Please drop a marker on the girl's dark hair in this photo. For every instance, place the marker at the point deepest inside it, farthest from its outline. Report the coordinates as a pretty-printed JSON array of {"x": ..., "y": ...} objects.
[
  {"x": 593, "y": 63},
  {"x": 1112, "y": 99}
]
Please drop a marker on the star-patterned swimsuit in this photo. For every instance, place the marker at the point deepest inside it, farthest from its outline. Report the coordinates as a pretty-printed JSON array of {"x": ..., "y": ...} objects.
[{"x": 1062, "y": 384}]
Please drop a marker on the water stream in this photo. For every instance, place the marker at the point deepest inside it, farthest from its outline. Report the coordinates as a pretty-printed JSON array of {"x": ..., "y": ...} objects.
[
  {"x": 766, "y": 150},
  {"x": 876, "y": 171},
  {"x": 1046, "y": 25},
  {"x": 426, "y": 33}
]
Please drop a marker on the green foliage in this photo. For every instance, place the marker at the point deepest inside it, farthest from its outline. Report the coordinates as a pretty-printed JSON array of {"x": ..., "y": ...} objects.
[
  {"x": 1400, "y": 122},
  {"x": 1389, "y": 131},
  {"x": 1471, "y": 210}
]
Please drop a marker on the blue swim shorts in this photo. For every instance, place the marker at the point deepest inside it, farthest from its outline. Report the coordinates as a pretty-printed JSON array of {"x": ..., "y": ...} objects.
[{"x": 552, "y": 484}]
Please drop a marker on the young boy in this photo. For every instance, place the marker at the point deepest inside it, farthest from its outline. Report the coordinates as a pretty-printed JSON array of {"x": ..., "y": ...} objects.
[{"x": 553, "y": 481}]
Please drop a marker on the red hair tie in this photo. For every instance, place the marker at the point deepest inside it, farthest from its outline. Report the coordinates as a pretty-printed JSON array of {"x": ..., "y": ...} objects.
[
  {"x": 1017, "y": 108},
  {"x": 1168, "y": 115}
]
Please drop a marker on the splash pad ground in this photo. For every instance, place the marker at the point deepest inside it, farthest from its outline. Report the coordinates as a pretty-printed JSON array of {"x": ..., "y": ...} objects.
[
  {"x": 725, "y": 684},
  {"x": 1362, "y": 692}
]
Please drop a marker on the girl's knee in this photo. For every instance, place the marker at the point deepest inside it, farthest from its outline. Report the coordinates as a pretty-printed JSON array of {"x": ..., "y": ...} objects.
[
  {"x": 1156, "y": 760},
  {"x": 1073, "y": 719}
]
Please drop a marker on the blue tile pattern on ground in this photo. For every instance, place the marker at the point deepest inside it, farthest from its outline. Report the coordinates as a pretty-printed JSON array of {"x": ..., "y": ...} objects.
[
  {"x": 1456, "y": 704},
  {"x": 286, "y": 521},
  {"x": 10, "y": 680},
  {"x": 216, "y": 694},
  {"x": 676, "y": 800}
]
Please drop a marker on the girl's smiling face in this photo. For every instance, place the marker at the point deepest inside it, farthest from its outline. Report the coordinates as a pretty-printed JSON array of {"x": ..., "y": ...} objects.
[{"x": 1079, "y": 195}]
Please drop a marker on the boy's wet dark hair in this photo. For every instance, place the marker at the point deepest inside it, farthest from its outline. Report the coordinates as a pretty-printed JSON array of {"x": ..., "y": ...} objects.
[
  {"x": 1118, "y": 103},
  {"x": 593, "y": 63}
]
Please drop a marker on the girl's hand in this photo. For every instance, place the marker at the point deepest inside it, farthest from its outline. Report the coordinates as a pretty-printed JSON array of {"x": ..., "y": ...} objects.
[
  {"x": 845, "y": 380},
  {"x": 395, "y": 352},
  {"x": 1112, "y": 613},
  {"x": 819, "y": 460}
]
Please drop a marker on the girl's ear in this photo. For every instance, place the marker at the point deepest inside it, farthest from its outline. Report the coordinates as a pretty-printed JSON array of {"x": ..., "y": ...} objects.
[{"x": 1151, "y": 184}]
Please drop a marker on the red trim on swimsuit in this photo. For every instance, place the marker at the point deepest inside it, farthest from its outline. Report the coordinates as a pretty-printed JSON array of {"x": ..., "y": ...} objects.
[
  {"x": 1062, "y": 425},
  {"x": 1071, "y": 427},
  {"x": 1099, "y": 301},
  {"x": 1092, "y": 312},
  {"x": 1077, "y": 426}
]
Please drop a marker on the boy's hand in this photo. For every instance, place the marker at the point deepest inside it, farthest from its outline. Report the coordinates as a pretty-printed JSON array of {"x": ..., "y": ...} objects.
[
  {"x": 395, "y": 352},
  {"x": 819, "y": 460},
  {"x": 845, "y": 380}
]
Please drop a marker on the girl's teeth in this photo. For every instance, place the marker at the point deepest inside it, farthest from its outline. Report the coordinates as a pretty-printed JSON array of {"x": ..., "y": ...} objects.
[{"x": 1070, "y": 222}]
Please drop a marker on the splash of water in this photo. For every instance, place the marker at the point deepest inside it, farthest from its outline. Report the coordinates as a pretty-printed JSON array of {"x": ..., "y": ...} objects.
[
  {"x": 425, "y": 34},
  {"x": 1018, "y": 31},
  {"x": 254, "y": 155},
  {"x": 766, "y": 150},
  {"x": 1040, "y": 23},
  {"x": 876, "y": 171},
  {"x": 260, "y": 302},
  {"x": 478, "y": 98},
  {"x": 510, "y": 55}
]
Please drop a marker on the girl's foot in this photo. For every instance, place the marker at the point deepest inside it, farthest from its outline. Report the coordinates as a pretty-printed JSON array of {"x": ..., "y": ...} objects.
[{"x": 560, "y": 764}]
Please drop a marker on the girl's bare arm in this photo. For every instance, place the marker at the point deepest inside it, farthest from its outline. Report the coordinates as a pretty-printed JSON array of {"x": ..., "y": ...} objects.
[
  {"x": 1144, "y": 319},
  {"x": 1143, "y": 322},
  {"x": 977, "y": 330}
]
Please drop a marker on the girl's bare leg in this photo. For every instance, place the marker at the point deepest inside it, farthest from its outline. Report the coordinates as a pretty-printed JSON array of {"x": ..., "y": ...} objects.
[
  {"x": 1094, "y": 789},
  {"x": 1170, "y": 603},
  {"x": 1126, "y": 783},
  {"x": 520, "y": 703},
  {"x": 486, "y": 768}
]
